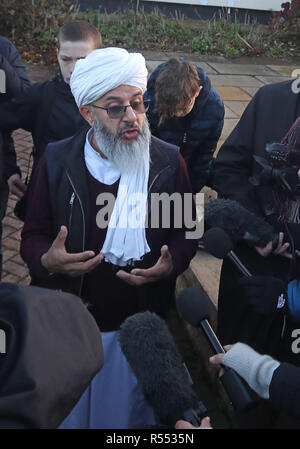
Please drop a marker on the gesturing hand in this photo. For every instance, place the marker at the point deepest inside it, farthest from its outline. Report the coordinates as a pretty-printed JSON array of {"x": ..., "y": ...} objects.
[
  {"x": 162, "y": 269},
  {"x": 57, "y": 260},
  {"x": 16, "y": 185}
]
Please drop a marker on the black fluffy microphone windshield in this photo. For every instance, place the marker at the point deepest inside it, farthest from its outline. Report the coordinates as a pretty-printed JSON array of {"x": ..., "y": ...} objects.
[
  {"x": 153, "y": 357},
  {"x": 218, "y": 243},
  {"x": 238, "y": 222}
]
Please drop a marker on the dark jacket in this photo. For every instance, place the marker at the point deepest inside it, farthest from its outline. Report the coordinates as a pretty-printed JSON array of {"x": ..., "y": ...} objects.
[
  {"x": 196, "y": 134},
  {"x": 267, "y": 119},
  {"x": 13, "y": 66},
  {"x": 285, "y": 389},
  {"x": 47, "y": 109},
  {"x": 64, "y": 172},
  {"x": 16, "y": 82}
]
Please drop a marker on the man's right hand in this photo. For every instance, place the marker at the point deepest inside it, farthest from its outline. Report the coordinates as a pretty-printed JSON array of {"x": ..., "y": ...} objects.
[
  {"x": 16, "y": 185},
  {"x": 57, "y": 260}
]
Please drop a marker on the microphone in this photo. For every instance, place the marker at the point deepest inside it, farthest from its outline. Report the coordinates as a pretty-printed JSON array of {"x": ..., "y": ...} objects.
[
  {"x": 195, "y": 307},
  {"x": 239, "y": 223},
  {"x": 218, "y": 243},
  {"x": 164, "y": 379}
]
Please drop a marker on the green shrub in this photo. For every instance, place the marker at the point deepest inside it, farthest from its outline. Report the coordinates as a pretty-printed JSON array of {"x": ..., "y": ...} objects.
[{"x": 33, "y": 26}]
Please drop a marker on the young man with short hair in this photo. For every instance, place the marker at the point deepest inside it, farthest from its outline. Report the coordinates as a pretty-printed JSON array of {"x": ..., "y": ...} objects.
[{"x": 48, "y": 109}]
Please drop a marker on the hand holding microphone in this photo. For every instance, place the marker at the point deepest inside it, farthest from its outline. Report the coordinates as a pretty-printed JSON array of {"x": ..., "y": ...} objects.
[
  {"x": 195, "y": 307},
  {"x": 241, "y": 224}
]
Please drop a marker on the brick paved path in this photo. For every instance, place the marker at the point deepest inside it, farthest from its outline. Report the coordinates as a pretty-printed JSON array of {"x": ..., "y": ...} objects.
[{"x": 14, "y": 269}]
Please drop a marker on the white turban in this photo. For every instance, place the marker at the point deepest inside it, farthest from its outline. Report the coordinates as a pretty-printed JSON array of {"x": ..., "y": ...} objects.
[{"x": 105, "y": 69}]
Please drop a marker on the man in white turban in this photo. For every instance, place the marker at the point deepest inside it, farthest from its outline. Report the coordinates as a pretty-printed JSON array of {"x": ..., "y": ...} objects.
[{"x": 86, "y": 231}]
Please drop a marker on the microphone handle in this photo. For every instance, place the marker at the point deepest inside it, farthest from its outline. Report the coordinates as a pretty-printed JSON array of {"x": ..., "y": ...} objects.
[
  {"x": 236, "y": 261},
  {"x": 240, "y": 394}
]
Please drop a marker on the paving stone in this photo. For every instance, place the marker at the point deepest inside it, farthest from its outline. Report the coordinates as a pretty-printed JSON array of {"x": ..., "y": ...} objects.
[
  {"x": 284, "y": 70},
  {"x": 229, "y": 113},
  {"x": 251, "y": 90},
  {"x": 237, "y": 107},
  {"x": 7, "y": 231},
  {"x": 272, "y": 79},
  {"x": 232, "y": 93},
  {"x": 229, "y": 124},
  {"x": 155, "y": 56},
  {"x": 206, "y": 67},
  {"x": 16, "y": 235},
  {"x": 219, "y": 144},
  {"x": 151, "y": 65},
  {"x": 15, "y": 268},
  {"x": 242, "y": 69},
  {"x": 11, "y": 243},
  {"x": 12, "y": 222},
  {"x": 236, "y": 80},
  {"x": 8, "y": 277},
  {"x": 8, "y": 254}
]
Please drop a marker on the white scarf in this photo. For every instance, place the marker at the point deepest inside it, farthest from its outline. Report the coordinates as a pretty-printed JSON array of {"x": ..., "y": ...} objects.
[{"x": 125, "y": 240}]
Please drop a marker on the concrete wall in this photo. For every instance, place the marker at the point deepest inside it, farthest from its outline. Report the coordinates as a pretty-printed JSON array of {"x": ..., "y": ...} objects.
[{"x": 174, "y": 9}]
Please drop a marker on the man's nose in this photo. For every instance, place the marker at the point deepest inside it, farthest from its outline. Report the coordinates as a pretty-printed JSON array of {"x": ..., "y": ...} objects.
[
  {"x": 72, "y": 66},
  {"x": 130, "y": 115}
]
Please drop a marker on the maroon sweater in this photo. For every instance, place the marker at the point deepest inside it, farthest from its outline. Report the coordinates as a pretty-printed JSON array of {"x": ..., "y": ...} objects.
[{"x": 110, "y": 299}]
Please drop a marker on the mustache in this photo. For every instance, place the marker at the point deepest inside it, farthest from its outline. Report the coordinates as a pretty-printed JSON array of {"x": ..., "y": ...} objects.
[{"x": 125, "y": 127}]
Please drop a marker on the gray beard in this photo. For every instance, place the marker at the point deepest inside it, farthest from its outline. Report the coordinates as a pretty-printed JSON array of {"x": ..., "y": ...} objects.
[{"x": 127, "y": 158}]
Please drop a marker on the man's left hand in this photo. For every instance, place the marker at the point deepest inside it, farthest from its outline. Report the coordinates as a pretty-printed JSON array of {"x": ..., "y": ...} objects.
[{"x": 163, "y": 268}]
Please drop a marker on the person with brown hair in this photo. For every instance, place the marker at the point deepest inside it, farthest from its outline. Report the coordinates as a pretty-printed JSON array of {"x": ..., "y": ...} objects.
[{"x": 187, "y": 111}]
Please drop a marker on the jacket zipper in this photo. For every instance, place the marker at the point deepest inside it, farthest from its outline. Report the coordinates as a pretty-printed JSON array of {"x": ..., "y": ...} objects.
[
  {"x": 71, "y": 209},
  {"x": 83, "y": 221},
  {"x": 155, "y": 178},
  {"x": 150, "y": 187}
]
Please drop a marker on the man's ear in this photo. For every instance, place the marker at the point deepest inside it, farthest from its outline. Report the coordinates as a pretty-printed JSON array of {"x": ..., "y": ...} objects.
[
  {"x": 86, "y": 113},
  {"x": 198, "y": 92}
]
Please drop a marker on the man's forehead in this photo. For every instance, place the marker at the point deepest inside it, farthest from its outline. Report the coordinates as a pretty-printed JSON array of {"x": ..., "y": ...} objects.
[
  {"x": 122, "y": 91},
  {"x": 79, "y": 49}
]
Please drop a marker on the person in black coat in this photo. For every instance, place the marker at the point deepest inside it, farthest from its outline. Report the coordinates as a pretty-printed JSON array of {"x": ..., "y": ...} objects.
[
  {"x": 266, "y": 120},
  {"x": 48, "y": 109},
  {"x": 15, "y": 82},
  {"x": 187, "y": 111}
]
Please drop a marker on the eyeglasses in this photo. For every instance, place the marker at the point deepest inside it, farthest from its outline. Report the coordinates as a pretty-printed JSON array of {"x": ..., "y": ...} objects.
[{"x": 118, "y": 111}]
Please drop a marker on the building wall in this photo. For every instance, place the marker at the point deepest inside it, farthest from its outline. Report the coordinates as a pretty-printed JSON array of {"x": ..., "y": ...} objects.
[
  {"x": 193, "y": 9},
  {"x": 265, "y": 5}
]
